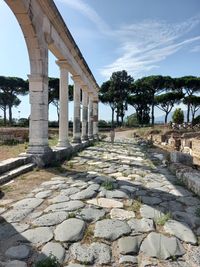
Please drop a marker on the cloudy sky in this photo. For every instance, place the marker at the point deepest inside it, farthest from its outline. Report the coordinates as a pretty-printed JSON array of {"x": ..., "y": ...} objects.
[{"x": 144, "y": 37}]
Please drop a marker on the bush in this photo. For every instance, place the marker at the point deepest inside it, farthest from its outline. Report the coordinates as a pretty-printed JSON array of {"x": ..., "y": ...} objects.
[
  {"x": 131, "y": 120},
  {"x": 50, "y": 261},
  {"x": 196, "y": 120},
  {"x": 23, "y": 122},
  {"x": 178, "y": 116},
  {"x": 102, "y": 124}
]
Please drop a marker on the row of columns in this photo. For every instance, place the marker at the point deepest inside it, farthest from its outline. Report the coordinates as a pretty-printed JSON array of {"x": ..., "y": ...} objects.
[{"x": 89, "y": 110}]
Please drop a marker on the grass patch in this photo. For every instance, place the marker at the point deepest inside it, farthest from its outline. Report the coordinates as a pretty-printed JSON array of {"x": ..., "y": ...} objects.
[
  {"x": 89, "y": 234},
  {"x": 163, "y": 219},
  {"x": 135, "y": 206},
  {"x": 179, "y": 183},
  {"x": 50, "y": 261},
  {"x": 71, "y": 215},
  {"x": 108, "y": 185},
  {"x": 197, "y": 212},
  {"x": 6, "y": 188}
]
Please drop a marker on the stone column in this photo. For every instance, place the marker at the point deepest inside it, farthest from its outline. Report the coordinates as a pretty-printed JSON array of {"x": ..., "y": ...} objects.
[
  {"x": 76, "y": 122},
  {"x": 90, "y": 119},
  {"x": 38, "y": 126},
  {"x": 63, "y": 98},
  {"x": 95, "y": 119},
  {"x": 84, "y": 136}
]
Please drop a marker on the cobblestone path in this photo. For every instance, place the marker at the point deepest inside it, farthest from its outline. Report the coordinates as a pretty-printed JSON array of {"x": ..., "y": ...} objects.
[{"x": 113, "y": 207}]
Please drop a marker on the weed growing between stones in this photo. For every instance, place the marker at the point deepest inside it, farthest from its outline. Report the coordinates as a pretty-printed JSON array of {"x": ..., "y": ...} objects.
[
  {"x": 163, "y": 219},
  {"x": 108, "y": 185},
  {"x": 179, "y": 182},
  {"x": 71, "y": 215},
  {"x": 135, "y": 206},
  {"x": 50, "y": 261},
  {"x": 197, "y": 212}
]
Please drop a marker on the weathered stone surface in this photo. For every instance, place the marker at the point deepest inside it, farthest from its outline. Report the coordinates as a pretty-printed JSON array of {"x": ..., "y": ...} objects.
[
  {"x": 128, "y": 259},
  {"x": 16, "y": 215},
  {"x": 89, "y": 192},
  {"x": 51, "y": 219},
  {"x": 114, "y": 194},
  {"x": 19, "y": 252},
  {"x": 106, "y": 203},
  {"x": 27, "y": 203},
  {"x": 129, "y": 244},
  {"x": 91, "y": 214},
  {"x": 180, "y": 230},
  {"x": 141, "y": 225},
  {"x": 82, "y": 253},
  {"x": 70, "y": 230},
  {"x": 121, "y": 214},
  {"x": 55, "y": 249},
  {"x": 58, "y": 199},
  {"x": 7, "y": 230},
  {"x": 43, "y": 194},
  {"x": 111, "y": 229},
  {"x": 66, "y": 206},
  {"x": 161, "y": 247},
  {"x": 150, "y": 212},
  {"x": 15, "y": 263},
  {"x": 97, "y": 252},
  {"x": 193, "y": 257},
  {"x": 37, "y": 236},
  {"x": 151, "y": 200},
  {"x": 70, "y": 191}
]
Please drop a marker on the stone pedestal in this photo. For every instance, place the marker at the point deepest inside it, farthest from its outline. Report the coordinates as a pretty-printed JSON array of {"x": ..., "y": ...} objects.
[{"x": 38, "y": 129}]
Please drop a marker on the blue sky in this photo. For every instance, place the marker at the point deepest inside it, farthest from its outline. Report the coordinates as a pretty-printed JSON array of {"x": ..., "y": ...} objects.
[{"x": 144, "y": 37}]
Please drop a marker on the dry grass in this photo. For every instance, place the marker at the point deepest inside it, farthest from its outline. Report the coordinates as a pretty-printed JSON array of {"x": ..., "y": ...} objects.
[
  {"x": 11, "y": 151},
  {"x": 24, "y": 184}
]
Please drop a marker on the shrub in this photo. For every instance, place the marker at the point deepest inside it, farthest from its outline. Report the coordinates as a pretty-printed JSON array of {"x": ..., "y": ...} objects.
[
  {"x": 196, "y": 120},
  {"x": 50, "y": 261},
  {"x": 178, "y": 116}
]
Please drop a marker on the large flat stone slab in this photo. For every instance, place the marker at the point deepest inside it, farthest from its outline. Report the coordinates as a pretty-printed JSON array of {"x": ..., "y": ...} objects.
[
  {"x": 70, "y": 230},
  {"x": 106, "y": 203},
  {"x": 66, "y": 206},
  {"x": 37, "y": 236},
  {"x": 111, "y": 229},
  {"x": 180, "y": 230},
  {"x": 51, "y": 219},
  {"x": 161, "y": 247}
]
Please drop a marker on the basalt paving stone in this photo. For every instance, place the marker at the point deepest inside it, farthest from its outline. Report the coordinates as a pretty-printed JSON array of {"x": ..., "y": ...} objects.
[{"x": 99, "y": 223}]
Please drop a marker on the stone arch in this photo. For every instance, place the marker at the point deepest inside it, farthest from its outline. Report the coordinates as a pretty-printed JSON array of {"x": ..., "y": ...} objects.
[{"x": 30, "y": 18}]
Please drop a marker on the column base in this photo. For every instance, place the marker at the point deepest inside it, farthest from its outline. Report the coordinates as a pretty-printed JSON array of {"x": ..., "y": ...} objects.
[
  {"x": 84, "y": 138},
  {"x": 76, "y": 140},
  {"x": 91, "y": 137},
  {"x": 96, "y": 136},
  {"x": 63, "y": 144},
  {"x": 38, "y": 149}
]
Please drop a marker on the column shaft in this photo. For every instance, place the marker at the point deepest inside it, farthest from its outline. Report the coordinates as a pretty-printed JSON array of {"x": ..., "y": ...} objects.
[
  {"x": 63, "y": 115},
  {"x": 76, "y": 122},
  {"x": 90, "y": 119},
  {"x": 84, "y": 115},
  {"x": 95, "y": 119}
]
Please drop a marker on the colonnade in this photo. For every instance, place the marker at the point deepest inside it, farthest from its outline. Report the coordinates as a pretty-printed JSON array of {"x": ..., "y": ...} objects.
[{"x": 87, "y": 116}]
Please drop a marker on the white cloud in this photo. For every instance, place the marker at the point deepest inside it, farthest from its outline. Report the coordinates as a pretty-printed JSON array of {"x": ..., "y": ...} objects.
[{"x": 141, "y": 45}]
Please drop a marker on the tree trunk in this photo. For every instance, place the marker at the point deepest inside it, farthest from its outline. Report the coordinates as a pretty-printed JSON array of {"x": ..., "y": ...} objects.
[
  {"x": 112, "y": 124},
  {"x": 152, "y": 114},
  {"x": 10, "y": 115},
  {"x": 166, "y": 115},
  {"x": 4, "y": 115},
  {"x": 122, "y": 117},
  {"x": 188, "y": 113}
]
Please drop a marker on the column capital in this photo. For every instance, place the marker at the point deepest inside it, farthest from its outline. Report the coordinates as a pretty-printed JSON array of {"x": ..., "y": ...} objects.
[
  {"x": 37, "y": 78},
  {"x": 84, "y": 88},
  {"x": 63, "y": 64},
  {"x": 77, "y": 79}
]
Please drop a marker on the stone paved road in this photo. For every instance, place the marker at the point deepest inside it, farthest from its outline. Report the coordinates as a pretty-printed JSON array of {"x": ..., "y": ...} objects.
[{"x": 113, "y": 207}]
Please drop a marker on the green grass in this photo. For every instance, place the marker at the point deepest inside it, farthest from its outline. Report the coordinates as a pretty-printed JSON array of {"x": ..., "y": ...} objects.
[
  {"x": 108, "y": 185},
  {"x": 163, "y": 219},
  {"x": 197, "y": 212},
  {"x": 50, "y": 261}
]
